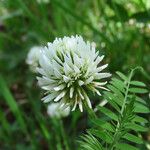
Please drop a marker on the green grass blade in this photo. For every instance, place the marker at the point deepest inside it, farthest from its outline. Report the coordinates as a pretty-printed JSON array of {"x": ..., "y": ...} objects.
[
  {"x": 4, "y": 123},
  {"x": 11, "y": 102}
]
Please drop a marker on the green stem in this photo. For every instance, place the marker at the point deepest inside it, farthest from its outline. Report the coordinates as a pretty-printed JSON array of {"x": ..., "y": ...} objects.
[
  {"x": 116, "y": 138},
  {"x": 126, "y": 93},
  {"x": 63, "y": 135}
]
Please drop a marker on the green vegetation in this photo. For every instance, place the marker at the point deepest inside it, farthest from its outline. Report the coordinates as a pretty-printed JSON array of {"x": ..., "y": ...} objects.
[
  {"x": 121, "y": 31},
  {"x": 124, "y": 122}
]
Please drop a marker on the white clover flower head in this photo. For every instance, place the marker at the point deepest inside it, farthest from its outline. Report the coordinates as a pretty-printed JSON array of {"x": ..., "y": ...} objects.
[
  {"x": 33, "y": 57},
  {"x": 70, "y": 67},
  {"x": 55, "y": 110}
]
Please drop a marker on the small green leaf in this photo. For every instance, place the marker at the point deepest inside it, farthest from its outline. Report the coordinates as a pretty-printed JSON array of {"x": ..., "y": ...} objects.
[
  {"x": 139, "y": 99},
  {"x": 115, "y": 98},
  {"x": 138, "y": 90},
  {"x": 139, "y": 119},
  {"x": 103, "y": 124},
  {"x": 137, "y": 83},
  {"x": 133, "y": 138},
  {"x": 90, "y": 142},
  {"x": 108, "y": 113},
  {"x": 111, "y": 101},
  {"x": 140, "y": 108},
  {"x": 122, "y": 76},
  {"x": 136, "y": 127},
  {"x": 102, "y": 135},
  {"x": 123, "y": 146},
  {"x": 118, "y": 84},
  {"x": 116, "y": 91}
]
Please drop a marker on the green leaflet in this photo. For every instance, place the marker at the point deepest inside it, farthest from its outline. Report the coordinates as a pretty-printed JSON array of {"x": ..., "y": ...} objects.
[
  {"x": 104, "y": 135},
  {"x": 118, "y": 84},
  {"x": 116, "y": 91},
  {"x": 111, "y": 101},
  {"x": 122, "y": 76},
  {"x": 115, "y": 98},
  {"x": 103, "y": 124},
  {"x": 133, "y": 138},
  {"x": 138, "y": 83},
  {"x": 123, "y": 146},
  {"x": 108, "y": 112},
  {"x": 138, "y": 90},
  {"x": 136, "y": 127},
  {"x": 140, "y": 119},
  {"x": 90, "y": 143},
  {"x": 140, "y": 108}
]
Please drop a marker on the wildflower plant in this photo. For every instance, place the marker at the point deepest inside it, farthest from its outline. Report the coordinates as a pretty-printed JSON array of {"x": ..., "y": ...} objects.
[
  {"x": 123, "y": 124},
  {"x": 70, "y": 67},
  {"x": 118, "y": 117}
]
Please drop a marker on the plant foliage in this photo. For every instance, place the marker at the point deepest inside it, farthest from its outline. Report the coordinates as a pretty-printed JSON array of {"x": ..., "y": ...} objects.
[{"x": 121, "y": 127}]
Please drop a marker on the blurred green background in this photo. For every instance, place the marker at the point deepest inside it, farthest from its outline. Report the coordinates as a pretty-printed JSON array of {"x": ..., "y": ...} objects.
[{"x": 121, "y": 31}]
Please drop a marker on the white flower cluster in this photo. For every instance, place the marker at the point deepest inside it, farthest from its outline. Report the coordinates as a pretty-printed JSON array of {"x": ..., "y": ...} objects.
[
  {"x": 33, "y": 57},
  {"x": 70, "y": 67},
  {"x": 55, "y": 110}
]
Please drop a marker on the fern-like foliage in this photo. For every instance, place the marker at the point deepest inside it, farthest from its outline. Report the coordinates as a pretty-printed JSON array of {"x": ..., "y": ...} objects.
[
  {"x": 122, "y": 123},
  {"x": 89, "y": 142}
]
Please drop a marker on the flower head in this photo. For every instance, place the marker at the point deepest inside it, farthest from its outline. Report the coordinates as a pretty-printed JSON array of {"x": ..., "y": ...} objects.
[
  {"x": 69, "y": 68},
  {"x": 33, "y": 57},
  {"x": 57, "y": 111}
]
